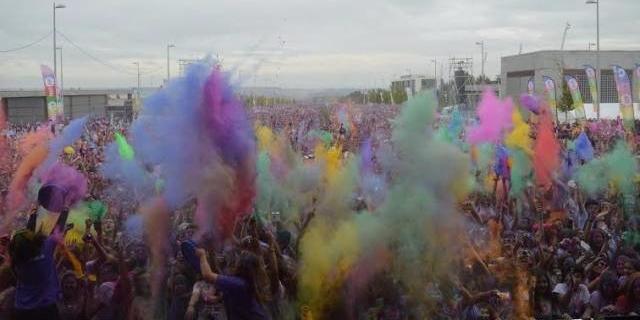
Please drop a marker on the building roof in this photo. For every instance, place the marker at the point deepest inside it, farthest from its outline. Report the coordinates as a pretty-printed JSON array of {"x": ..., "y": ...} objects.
[
  {"x": 412, "y": 77},
  {"x": 554, "y": 52},
  {"x": 67, "y": 92}
]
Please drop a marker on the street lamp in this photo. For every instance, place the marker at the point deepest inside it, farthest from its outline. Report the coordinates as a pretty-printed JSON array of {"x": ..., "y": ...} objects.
[
  {"x": 435, "y": 72},
  {"x": 598, "y": 75},
  {"x": 55, "y": 58},
  {"x": 168, "y": 66},
  {"x": 482, "y": 56},
  {"x": 61, "y": 79},
  {"x": 138, "y": 65}
]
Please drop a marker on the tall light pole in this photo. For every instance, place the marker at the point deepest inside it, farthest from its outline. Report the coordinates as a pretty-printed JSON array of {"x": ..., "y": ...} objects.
[
  {"x": 55, "y": 48},
  {"x": 61, "y": 79},
  {"x": 169, "y": 46},
  {"x": 598, "y": 75},
  {"x": 138, "y": 65},
  {"x": 435, "y": 72},
  {"x": 482, "y": 57}
]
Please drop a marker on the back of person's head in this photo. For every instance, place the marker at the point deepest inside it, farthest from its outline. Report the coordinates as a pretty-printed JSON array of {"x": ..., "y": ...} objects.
[
  {"x": 25, "y": 245},
  {"x": 247, "y": 267},
  {"x": 543, "y": 282},
  {"x": 608, "y": 283}
]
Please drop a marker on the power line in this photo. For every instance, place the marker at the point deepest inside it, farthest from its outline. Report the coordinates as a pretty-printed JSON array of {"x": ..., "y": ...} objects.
[
  {"x": 105, "y": 63},
  {"x": 27, "y": 45}
]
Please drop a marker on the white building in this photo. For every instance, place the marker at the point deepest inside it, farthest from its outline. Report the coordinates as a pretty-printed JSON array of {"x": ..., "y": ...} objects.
[
  {"x": 413, "y": 83},
  {"x": 516, "y": 71}
]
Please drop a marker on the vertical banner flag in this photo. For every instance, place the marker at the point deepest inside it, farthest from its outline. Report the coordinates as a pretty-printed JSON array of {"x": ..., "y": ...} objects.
[
  {"x": 593, "y": 86},
  {"x": 636, "y": 82},
  {"x": 50, "y": 91},
  {"x": 624, "y": 95},
  {"x": 550, "y": 92},
  {"x": 531, "y": 86},
  {"x": 578, "y": 105}
]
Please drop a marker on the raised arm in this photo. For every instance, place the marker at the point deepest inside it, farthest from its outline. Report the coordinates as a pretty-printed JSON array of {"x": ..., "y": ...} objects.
[
  {"x": 62, "y": 221},
  {"x": 205, "y": 268}
]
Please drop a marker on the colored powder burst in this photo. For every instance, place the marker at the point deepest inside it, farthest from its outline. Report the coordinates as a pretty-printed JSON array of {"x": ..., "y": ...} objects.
[
  {"x": 32, "y": 140},
  {"x": 125, "y": 150},
  {"x": 519, "y": 136},
  {"x": 330, "y": 159},
  {"x": 195, "y": 131},
  {"x": 133, "y": 226},
  {"x": 69, "y": 179},
  {"x": 167, "y": 134},
  {"x": 372, "y": 186},
  {"x": 618, "y": 167},
  {"x": 495, "y": 119},
  {"x": 546, "y": 151},
  {"x": 229, "y": 129},
  {"x": 501, "y": 164},
  {"x": 69, "y": 136},
  {"x": 416, "y": 221},
  {"x": 583, "y": 147},
  {"x": 218, "y": 186},
  {"x": 332, "y": 251},
  {"x": 450, "y": 131},
  {"x": 482, "y": 161},
  {"x": 520, "y": 171},
  {"x": 266, "y": 138},
  {"x": 97, "y": 210},
  {"x": 16, "y": 199},
  {"x": 324, "y": 136},
  {"x": 155, "y": 215},
  {"x": 127, "y": 175},
  {"x": 265, "y": 184},
  {"x": 530, "y": 102},
  {"x": 456, "y": 125}
]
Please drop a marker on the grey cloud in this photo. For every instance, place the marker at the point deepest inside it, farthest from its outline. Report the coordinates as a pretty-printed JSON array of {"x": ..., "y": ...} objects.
[{"x": 326, "y": 43}]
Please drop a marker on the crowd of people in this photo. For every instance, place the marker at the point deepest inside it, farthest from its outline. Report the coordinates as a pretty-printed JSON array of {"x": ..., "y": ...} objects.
[{"x": 560, "y": 254}]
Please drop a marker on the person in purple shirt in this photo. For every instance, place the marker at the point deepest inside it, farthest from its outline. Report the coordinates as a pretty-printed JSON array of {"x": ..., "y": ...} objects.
[
  {"x": 240, "y": 293},
  {"x": 37, "y": 288}
]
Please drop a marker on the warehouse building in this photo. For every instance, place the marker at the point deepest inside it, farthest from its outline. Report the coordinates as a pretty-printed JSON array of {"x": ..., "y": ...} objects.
[
  {"x": 516, "y": 71},
  {"x": 22, "y": 106}
]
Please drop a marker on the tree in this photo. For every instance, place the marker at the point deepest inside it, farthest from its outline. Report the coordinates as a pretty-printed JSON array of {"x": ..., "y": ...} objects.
[
  {"x": 566, "y": 100},
  {"x": 399, "y": 95}
]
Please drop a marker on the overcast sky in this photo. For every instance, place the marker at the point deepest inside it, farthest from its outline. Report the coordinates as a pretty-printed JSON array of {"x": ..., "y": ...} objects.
[{"x": 295, "y": 43}]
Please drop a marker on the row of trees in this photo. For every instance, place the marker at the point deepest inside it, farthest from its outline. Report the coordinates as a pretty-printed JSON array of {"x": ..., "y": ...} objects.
[
  {"x": 376, "y": 96},
  {"x": 253, "y": 101}
]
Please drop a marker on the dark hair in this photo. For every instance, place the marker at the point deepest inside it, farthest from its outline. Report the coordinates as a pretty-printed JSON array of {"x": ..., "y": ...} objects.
[
  {"x": 540, "y": 274},
  {"x": 608, "y": 277},
  {"x": 578, "y": 269},
  {"x": 247, "y": 267},
  {"x": 25, "y": 245},
  {"x": 591, "y": 202}
]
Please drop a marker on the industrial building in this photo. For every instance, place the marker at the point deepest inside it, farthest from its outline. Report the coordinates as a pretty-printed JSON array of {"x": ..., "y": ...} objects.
[
  {"x": 22, "y": 106},
  {"x": 516, "y": 71},
  {"x": 413, "y": 83}
]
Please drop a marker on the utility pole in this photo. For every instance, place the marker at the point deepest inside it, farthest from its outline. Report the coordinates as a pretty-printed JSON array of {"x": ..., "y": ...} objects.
[
  {"x": 138, "y": 65},
  {"x": 61, "y": 80},
  {"x": 55, "y": 48},
  {"x": 598, "y": 71},
  {"x": 168, "y": 61},
  {"x": 482, "y": 57}
]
